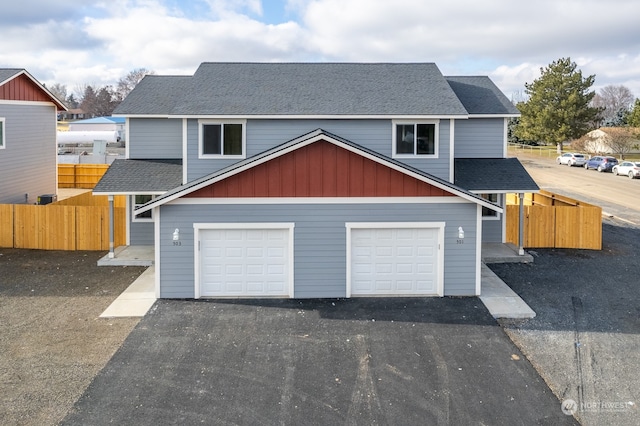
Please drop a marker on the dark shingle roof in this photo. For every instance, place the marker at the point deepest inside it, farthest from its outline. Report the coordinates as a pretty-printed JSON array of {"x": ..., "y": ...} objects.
[
  {"x": 155, "y": 95},
  {"x": 140, "y": 176},
  {"x": 480, "y": 95},
  {"x": 493, "y": 175},
  {"x": 313, "y": 89},
  {"x": 7, "y": 73}
]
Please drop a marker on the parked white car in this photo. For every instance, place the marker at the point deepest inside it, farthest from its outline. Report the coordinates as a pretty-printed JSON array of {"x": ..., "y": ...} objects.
[
  {"x": 572, "y": 159},
  {"x": 627, "y": 168}
]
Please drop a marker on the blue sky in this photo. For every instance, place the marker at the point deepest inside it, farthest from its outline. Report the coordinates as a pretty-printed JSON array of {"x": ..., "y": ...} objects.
[{"x": 97, "y": 42}]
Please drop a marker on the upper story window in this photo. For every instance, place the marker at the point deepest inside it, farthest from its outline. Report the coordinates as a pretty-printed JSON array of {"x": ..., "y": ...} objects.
[
  {"x": 222, "y": 139},
  {"x": 415, "y": 139},
  {"x": 1, "y": 132}
]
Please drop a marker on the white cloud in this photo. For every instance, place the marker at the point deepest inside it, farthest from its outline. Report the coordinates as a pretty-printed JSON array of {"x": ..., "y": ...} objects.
[{"x": 506, "y": 40}]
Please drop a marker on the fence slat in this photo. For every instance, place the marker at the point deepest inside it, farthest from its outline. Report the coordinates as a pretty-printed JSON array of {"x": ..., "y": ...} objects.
[{"x": 6, "y": 225}]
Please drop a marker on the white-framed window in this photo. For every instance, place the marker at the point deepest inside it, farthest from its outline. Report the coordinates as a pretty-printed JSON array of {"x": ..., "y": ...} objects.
[
  {"x": 2, "y": 138},
  {"x": 222, "y": 139},
  {"x": 137, "y": 201},
  {"x": 487, "y": 213},
  {"x": 415, "y": 138}
]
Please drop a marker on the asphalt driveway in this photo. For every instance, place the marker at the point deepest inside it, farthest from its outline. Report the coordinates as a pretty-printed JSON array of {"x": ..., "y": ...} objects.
[{"x": 354, "y": 361}]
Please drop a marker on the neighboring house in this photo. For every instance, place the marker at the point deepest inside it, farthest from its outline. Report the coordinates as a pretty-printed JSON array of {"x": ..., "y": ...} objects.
[
  {"x": 28, "y": 114},
  {"x": 611, "y": 140},
  {"x": 316, "y": 180},
  {"x": 72, "y": 114},
  {"x": 98, "y": 124}
]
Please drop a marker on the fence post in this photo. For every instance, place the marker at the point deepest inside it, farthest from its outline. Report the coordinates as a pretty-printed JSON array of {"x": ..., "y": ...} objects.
[{"x": 521, "y": 225}]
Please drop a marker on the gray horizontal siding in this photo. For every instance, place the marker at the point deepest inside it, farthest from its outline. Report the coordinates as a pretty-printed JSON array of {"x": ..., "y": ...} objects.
[
  {"x": 141, "y": 233},
  {"x": 319, "y": 241},
  {"x": 155, "y": 138},
  {"x": 492, "y": 231},
  {"x": 28, "y": 161},
  {"x": 265, "y": 134},
  {"x": 479, "y": 138}
]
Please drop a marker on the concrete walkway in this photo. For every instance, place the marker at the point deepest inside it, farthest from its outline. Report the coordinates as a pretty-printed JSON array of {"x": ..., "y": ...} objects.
[
  {"x": 137, "y": 299},
  {"x": 499, "y": 299}
]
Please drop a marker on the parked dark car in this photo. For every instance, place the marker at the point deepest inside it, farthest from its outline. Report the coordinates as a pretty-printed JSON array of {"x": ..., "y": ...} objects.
[{"x": 601, "y": 163}]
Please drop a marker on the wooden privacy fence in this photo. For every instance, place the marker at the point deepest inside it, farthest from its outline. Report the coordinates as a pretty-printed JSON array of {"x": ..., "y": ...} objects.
[
  {"x": 80, "y": 175},
  {"x": 554, "y": 221},
  {"x": 66, "y": 225}
]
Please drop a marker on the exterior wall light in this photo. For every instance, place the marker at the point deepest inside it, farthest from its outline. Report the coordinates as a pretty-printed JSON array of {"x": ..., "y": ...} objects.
[
  {"x": 460, "y": 233},
  {"x": 176, "y": 235}
]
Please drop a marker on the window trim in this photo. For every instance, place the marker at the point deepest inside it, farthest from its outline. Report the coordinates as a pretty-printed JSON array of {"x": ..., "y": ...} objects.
[
  {"x": 136, "y": 218},
  {"x": 3, "y": 139},
  {"x": 494, "y": 214},
  {"x": 436, "y": 137},
  {"x": 204, "y": 122}
]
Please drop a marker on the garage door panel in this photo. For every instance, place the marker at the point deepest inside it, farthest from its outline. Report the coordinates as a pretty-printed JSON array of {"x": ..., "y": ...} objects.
[
  {"x": 394, "y": 261},
  {"x": 244, "y": 262}
]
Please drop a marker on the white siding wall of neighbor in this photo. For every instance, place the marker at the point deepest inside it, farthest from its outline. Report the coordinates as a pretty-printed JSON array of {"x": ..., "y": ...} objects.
[{"x": 28, "y": 160}]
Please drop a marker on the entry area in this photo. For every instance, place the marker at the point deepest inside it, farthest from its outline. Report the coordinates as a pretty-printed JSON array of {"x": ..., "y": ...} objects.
[
  {"x": 244, "y": 260},
  {"x": 395, "y": 259}
]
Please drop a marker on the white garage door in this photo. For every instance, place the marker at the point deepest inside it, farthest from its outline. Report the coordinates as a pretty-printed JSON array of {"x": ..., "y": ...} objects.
[
  {"x": 395, "y": 261},
  {"x": 245, "y": 263}
]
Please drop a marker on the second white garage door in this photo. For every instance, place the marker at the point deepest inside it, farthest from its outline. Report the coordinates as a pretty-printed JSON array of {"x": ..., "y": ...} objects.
[
  {"x": 395, "y": 261},
  {"x": 245, "y": 263}
]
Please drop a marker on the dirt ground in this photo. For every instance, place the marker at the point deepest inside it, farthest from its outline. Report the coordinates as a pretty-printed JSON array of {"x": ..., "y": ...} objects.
[{"x": 52, "y": 341}]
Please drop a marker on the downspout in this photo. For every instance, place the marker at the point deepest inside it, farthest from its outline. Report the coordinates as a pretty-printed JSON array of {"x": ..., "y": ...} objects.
[
  {"x": 521, "y": 225},
  {"x": 111, "y": 232}
]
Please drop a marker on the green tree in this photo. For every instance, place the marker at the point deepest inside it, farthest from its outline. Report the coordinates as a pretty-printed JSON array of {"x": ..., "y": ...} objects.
[
  {"x": 558, "y": 109},
  {"x": 633, "y": 117}
]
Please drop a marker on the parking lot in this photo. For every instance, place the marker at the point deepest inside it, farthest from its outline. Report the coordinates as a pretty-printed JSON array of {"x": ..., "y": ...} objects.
[{"x": 618, "y": 195}]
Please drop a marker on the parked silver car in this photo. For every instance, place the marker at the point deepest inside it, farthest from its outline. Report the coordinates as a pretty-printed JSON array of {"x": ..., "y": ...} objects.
[
  {"x": 572, "y": 159},
  {"x": 627, "y": 168}
]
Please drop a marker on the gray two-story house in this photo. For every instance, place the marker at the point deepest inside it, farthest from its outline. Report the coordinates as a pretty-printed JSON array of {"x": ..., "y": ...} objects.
[{"x": 305, "y": 180}]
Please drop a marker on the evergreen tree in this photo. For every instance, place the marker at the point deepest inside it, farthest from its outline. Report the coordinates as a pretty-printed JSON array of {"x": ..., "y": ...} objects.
[
  {"x": 558, "y": 108},
  {"x": 633, "y": 117}
]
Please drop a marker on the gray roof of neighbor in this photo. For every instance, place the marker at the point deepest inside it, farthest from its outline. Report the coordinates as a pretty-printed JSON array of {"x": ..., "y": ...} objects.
[
  {"x": 493, "y": 175},
  {"x": 480, "y": 95},
  {"x": 140, "y": 176},
  {"x": 308, "y": 89}
]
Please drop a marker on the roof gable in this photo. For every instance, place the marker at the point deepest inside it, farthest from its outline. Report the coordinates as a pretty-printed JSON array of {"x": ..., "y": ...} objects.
[
  {"x": 320, "y": 169},
  {"x": 18, "y": 85},
  {"x": 299, "y": 143}
]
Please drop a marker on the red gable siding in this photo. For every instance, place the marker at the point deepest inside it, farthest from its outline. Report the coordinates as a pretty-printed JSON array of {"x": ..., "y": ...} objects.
[
  {"x": 320, "y": 169},
  {"x": 22, "y": 88}
]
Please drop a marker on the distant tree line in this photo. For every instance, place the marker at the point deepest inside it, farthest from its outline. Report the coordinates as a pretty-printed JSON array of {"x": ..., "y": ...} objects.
[{"x": 99, "y": 101}]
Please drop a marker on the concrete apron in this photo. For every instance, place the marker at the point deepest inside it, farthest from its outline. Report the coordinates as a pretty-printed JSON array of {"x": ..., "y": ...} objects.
[{"x": 498, "y": 298}]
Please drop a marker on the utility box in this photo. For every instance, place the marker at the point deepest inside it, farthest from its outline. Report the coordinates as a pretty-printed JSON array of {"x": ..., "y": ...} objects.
[{"x": 47, "y": 199}]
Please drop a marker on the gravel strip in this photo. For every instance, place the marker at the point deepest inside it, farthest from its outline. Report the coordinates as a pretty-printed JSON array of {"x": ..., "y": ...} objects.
[
  {"x": 584, "y": 341},
  {"x": 52, "y": 342}
]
